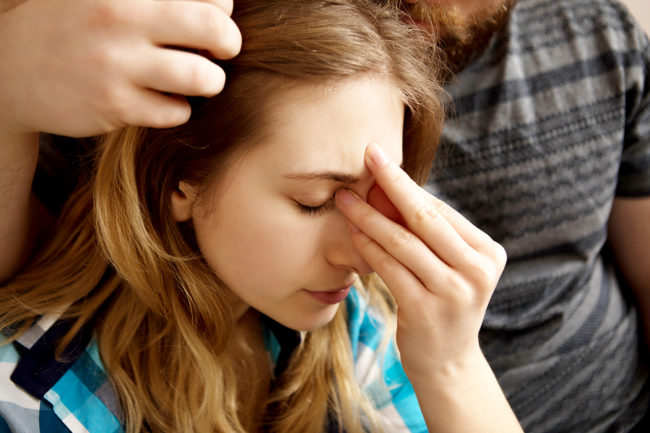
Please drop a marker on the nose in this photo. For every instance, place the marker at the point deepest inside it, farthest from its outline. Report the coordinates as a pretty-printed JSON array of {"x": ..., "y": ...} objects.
[{"x": 341, "y": 252}]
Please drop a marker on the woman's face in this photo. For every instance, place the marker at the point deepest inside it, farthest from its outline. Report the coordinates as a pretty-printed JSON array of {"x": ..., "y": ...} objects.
[{"x": 271, "y": 231}]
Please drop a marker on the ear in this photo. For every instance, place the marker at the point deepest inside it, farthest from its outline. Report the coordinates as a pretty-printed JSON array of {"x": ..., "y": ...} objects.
[{"x": 182, "y": 201}]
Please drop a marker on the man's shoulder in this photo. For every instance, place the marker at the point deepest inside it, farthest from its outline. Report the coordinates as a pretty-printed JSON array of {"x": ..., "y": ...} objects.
[
  {"x": 550, "y": 42},
  {"x": 574, "y": 19}
]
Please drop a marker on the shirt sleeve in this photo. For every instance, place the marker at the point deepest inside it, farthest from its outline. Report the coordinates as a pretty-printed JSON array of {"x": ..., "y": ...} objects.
[
  {"x": 634, "y": 173},
  {"x": 379, "y": 370}
]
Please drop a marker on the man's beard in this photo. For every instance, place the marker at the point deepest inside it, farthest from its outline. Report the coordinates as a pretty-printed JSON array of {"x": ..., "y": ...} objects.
[{"x": 461, "y": 38}]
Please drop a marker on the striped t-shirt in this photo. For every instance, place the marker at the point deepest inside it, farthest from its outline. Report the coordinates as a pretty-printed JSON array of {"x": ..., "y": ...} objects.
[{"x": 550, "y": 124}]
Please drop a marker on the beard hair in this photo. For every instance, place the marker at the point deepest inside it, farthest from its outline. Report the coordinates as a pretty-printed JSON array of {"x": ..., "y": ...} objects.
[{"x": 461, "y": 38}]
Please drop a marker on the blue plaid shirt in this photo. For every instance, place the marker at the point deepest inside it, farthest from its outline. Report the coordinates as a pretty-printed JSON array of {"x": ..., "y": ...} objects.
[{"x": 39, "y": 394}]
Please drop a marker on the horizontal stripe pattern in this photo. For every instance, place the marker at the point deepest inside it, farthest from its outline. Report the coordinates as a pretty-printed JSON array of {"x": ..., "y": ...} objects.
[{"x": 548, "y": 126}]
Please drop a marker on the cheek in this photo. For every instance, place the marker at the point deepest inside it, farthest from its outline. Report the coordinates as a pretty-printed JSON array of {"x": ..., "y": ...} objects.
[{"x": 250, "y": 246}]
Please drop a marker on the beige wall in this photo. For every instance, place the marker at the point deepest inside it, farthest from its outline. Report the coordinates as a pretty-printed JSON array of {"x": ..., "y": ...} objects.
[{"x": 641, "y": 10}]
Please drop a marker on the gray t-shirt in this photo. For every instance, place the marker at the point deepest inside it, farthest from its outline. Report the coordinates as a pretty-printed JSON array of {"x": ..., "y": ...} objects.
[{"x": 550, "y": 124}]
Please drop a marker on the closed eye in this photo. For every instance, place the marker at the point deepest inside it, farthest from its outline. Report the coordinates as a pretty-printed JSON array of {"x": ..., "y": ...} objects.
[{"x": 315, "y": 210}]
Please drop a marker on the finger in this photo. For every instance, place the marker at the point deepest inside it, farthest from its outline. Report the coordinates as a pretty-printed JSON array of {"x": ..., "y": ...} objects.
[
  {"x": 179, "y": 72},
  {"x": 405, "y": 287},
  {"x": 194, "y": 24},
  {"x": 419, "y": 212},
  {"x": 425, "y": 214},
  {"x": 153, "y": 109},
  {"x": 224, "y": 5},
  {"x": 398, "y": 242}
]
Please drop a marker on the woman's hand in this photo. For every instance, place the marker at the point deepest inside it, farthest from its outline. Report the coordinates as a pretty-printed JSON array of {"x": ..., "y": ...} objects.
[
  {"x": 85, "y": 67},
  {"x": 442, "y": 271},
  {"x": 440, "y": 268}
]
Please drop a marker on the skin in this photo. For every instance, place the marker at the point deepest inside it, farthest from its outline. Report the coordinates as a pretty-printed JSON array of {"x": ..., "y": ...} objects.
[
  {"x": 629, "y": 234},
  {"x": 629, "y": 237},
  {"x": 463, "y": 7},
  {"x": 628, "y": 228},
  {"x": 440, "y": 268},
  {"x": 442, "y": 287},
  {"x": 121, "y": 72},
  {"x": 256, "y": 219},
  {"x": 442, "y": 271}
]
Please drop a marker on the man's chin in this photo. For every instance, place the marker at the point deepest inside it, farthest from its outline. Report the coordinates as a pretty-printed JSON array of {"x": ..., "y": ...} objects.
[{"x": 461, "y": 37}]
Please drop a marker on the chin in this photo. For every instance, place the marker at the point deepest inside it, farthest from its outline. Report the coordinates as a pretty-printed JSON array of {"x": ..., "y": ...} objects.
[{"x": 307, "y": 321}]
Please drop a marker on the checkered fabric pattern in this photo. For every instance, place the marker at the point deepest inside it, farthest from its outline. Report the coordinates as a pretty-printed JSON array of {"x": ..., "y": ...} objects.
[{"x": 39, "y": 394}]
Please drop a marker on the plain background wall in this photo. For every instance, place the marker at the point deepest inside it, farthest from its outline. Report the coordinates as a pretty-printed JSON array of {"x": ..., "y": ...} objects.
[{"x": 641, "y": 11}]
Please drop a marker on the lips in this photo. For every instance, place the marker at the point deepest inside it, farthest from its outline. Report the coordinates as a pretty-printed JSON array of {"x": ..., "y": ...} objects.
[{"x": 330, "y": 297}]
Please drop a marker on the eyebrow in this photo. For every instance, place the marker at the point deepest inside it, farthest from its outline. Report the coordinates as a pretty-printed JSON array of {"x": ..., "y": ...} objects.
[{"x": 325, "y": 175}]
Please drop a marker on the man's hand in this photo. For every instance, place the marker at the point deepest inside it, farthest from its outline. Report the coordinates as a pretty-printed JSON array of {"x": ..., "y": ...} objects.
[{"x": 85, "y": 67}]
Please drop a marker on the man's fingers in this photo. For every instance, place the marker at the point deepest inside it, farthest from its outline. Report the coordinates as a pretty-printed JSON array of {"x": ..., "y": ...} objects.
[
  {"x": 179, "y": 72},
  {"x": 153, "y": 109},
  {"x": 195, "y": 24},
  {"x": 224, "y": 5}
]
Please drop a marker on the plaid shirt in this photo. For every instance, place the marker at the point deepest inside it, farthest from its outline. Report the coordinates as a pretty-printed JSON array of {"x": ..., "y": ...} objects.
[{"x": 39, "y": 394}]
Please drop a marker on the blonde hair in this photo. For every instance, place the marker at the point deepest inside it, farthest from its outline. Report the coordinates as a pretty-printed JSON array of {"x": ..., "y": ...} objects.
[{"x": 162, "y": 317}]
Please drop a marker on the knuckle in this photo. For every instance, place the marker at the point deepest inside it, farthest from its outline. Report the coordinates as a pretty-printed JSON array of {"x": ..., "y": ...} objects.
[
  {"x": 213, "y": 19},
  {"x": 461, "y": 293},
  {"x": 198, "y": 77},
  {"x": 441, "y": 207},
  {"x": 483, "y": 276},
  {"x": 103, "y": 59},
  {"x": 226, "y": 6},
  {"x": 399, "y": 237},
  {"x": 500, "y": 256},
  {"x": 118, "y": 104},
  {"x": 364, "y": 217},
  {"x": 365, "y": 243},
  {"x": 108, "y": 14},
  {"x": 425, "y": 213},
  {"x": 482, "y": 271},
  {"x": 386, "y": 263}
]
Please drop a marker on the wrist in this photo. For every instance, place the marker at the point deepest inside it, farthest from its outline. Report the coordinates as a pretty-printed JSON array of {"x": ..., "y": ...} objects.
[
  {"x": 450, "y": 373},
  {"x": 463, "y": 395}
]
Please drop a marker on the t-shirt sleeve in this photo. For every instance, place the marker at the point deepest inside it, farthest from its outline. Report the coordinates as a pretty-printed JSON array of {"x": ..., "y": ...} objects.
[
  {"x": 379, "y": 370},
  {"x": 634, "y": 173}
]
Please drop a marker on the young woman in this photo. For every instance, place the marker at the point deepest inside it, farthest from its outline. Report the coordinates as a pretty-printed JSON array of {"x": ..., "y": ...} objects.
[{"x": 206, "y": 277}]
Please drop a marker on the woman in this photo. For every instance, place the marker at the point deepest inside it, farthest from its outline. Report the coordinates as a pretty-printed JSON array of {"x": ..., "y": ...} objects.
[{"x": 204, "y": 278}]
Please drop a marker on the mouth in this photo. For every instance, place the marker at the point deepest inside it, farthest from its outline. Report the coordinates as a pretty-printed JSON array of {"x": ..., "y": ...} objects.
[{"x": 330, "y": 297}]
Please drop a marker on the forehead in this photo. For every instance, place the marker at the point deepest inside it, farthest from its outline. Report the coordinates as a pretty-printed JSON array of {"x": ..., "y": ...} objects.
[{"x": 327, "y": 127}]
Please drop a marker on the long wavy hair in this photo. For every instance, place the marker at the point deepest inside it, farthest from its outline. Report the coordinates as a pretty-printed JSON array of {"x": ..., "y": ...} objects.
[{"x": 162, "y": 318}]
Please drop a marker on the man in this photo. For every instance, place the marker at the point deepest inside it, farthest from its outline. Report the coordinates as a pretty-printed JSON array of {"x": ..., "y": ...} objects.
[{"x": 547, "y": 149}]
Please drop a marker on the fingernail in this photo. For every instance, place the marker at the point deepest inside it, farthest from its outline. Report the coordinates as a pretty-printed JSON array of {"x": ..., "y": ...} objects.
[
  {"x": 377, "y": 155},
  {"x": 354, "y": 229},
  {"x": 346, "y": 197}
]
